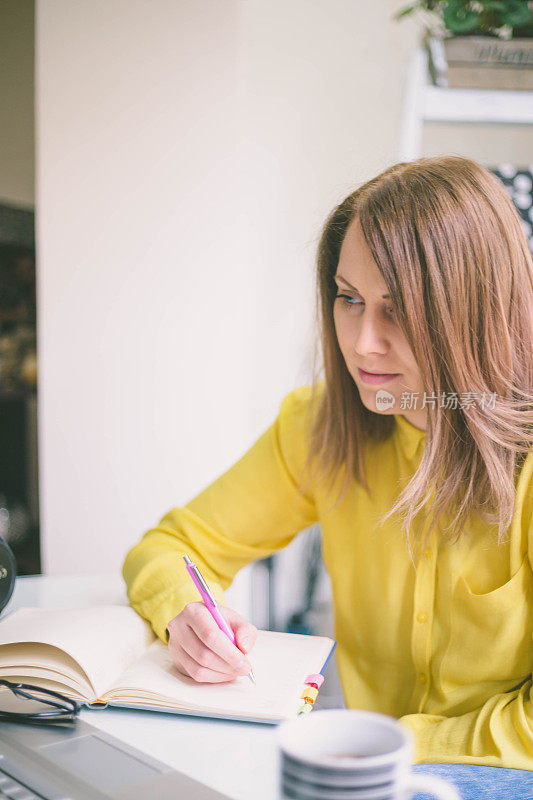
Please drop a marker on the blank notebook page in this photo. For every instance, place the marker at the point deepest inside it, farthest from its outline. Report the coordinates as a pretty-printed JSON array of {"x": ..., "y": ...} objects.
[{"x": 280, "y": 662}]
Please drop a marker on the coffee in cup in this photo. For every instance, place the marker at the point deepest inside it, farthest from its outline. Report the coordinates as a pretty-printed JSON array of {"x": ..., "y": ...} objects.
[{"x": 345, "y": 754}]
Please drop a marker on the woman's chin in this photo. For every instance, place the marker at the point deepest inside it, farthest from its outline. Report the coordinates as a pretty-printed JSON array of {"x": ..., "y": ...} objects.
[{"x": 378, "y": 399}]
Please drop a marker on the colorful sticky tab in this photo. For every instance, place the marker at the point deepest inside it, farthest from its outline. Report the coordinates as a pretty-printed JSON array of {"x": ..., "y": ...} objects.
[
  {"x": 317, "y": 679},
  {"x": 309, "y": 694}
]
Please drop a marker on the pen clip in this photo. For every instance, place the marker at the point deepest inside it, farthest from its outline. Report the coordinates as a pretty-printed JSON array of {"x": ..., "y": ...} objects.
[
  {"x": 204, "y": 585},
  {"x": 191, "y": 567}
]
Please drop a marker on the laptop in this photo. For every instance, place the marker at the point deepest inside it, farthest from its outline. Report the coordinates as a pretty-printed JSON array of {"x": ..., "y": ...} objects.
[{"x": 81, "y": 762}]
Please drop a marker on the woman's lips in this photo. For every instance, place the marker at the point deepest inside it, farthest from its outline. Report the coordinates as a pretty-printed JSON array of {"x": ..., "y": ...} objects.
[{"x": 369, "y": 377}]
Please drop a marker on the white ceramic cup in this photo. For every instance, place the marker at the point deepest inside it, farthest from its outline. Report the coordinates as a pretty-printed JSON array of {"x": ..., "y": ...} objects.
[{"x": 345, "y": 754}]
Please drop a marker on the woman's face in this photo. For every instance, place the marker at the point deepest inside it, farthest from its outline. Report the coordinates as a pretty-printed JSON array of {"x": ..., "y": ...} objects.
[{"x": 369, "y": 336}]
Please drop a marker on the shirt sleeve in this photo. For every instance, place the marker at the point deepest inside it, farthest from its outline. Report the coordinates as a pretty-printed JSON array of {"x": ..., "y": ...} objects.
[
  {"x": 249, "y": 512},
  {"x": 499, "y": 733}
]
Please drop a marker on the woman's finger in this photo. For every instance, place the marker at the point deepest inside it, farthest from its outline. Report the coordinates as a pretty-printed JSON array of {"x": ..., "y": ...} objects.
[
  {"x": 205, "y": 627},
  {"x": 194, "y": 646},
  {"x": 245, "y": 632},
  {"x": 192, "y": 669}
]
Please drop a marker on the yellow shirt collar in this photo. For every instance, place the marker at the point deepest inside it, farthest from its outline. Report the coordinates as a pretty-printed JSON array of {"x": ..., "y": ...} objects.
[{"x": 411, "y": 438}]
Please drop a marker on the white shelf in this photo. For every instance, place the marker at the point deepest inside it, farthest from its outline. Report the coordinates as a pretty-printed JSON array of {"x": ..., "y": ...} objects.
[
  {"x": 477, "y": 105},
  {"x": 426, "y": 103}
]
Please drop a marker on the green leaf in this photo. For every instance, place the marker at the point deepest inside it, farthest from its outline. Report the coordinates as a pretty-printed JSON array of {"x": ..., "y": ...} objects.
[
  {"x": 496, "y": 5},
  {"x": 516, "y": 13},
  {"x": 460, "y": 19}
]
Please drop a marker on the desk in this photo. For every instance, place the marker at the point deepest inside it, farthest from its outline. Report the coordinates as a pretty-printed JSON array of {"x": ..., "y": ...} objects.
[{"x": 237, "y": 758}]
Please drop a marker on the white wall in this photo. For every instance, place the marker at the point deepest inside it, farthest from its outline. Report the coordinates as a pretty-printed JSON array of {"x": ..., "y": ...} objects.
[
  {"x": 490, "y": 144},
  {"x": 187, "y": 154}
]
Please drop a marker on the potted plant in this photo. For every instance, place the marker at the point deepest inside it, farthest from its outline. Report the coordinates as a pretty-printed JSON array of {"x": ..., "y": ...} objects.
[{"x": 483, "y": 44}]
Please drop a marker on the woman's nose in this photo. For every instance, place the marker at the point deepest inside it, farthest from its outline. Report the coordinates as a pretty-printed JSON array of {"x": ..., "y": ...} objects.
[{"x": 370, "y": 337}]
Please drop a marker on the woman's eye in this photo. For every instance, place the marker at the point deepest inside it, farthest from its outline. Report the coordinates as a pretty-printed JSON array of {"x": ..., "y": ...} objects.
[
  {"x": 350, "y": 302},
  {"x": 347, "y": 300}
]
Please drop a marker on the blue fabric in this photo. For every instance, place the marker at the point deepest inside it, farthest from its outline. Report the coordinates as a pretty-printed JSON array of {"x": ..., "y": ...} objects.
[{"x": 475, "y": 782}]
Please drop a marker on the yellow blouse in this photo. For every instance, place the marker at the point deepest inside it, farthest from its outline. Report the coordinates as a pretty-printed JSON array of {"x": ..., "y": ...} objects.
[{"x": 444, "y": 644}]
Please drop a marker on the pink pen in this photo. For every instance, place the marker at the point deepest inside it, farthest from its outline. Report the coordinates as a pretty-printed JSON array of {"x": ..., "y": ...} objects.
[{"x": 211, "y": 603}]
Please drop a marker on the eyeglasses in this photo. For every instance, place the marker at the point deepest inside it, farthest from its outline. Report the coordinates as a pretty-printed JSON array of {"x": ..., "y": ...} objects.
[{"x": 32, "y": 704}]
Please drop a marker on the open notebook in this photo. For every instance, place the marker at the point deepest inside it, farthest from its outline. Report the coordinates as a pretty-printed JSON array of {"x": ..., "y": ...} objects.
[{"x": 109, "y": 654}]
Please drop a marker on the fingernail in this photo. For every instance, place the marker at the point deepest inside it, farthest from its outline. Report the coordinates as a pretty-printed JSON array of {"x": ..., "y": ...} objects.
[{"x": 245, "y": 643}]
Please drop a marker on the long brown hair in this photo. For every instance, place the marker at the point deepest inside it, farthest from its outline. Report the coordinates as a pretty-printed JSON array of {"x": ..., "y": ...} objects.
[{"x": 448, "y": 242}]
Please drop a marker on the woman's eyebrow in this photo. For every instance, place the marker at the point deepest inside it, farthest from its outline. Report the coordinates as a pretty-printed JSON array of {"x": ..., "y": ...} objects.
[{"x": 343, "y": 280}]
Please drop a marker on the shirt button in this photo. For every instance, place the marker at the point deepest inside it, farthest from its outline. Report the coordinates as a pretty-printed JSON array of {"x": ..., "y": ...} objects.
[
  {"x": 423, "y": 678},
  {"x": 429, "y": 553},
  {"x": 422, "y": 617}
]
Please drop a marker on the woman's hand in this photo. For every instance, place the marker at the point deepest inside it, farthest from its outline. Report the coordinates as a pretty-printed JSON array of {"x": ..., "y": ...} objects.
[{"x": 202, "y": 651}]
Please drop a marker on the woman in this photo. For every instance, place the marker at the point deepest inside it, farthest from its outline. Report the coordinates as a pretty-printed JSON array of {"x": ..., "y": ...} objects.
[{"x": 421, "y": 478}]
